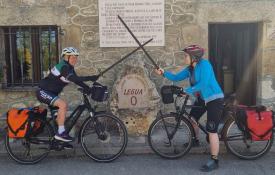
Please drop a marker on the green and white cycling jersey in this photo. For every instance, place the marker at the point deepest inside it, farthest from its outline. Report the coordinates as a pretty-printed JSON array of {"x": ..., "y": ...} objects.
[
  {"x": 57, "y": 69},
  {"x": 60, "y": 75}
]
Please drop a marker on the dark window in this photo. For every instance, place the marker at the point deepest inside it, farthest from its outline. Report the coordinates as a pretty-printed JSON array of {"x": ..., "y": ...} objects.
[{"x": 29, "y": 53}]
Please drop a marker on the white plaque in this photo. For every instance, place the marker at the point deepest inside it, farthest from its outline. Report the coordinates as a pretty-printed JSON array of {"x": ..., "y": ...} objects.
[
  {"x": 132, "y": 92},
  {"x": 145, "y": 18}
]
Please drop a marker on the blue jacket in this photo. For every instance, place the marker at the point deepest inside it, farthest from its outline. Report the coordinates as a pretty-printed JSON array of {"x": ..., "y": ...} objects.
[{"x": 205, "y": 82}]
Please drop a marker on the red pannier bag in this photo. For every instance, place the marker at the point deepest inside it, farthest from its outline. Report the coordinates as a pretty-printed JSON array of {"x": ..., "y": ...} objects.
[{"x": 259, "y": 124}]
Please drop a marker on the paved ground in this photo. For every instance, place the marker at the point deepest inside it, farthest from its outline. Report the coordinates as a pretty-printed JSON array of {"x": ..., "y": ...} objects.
[
  {"x": 141, "y": 164},
  {"x": 135, "y": 162}
]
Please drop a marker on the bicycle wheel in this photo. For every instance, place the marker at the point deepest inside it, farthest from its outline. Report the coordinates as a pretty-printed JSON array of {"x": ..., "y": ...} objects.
[
  {"x": 103, "y": 137},
  {"x": 169, "y": 141},
  {"x": 34, "y": 147},
  {"x": 241, "y": 146}
]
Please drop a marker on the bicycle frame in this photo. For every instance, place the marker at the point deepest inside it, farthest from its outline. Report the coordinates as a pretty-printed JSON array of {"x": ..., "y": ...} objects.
[
  {"x": 75, "y": 115},
  {"x": 180, "y": 113},
  {"x": 170, "y": 136},
  {"x": 183, "y": 113}
]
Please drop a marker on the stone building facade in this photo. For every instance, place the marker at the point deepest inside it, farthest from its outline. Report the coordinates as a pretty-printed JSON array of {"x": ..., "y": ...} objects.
[{"x": 186, "y": 22}]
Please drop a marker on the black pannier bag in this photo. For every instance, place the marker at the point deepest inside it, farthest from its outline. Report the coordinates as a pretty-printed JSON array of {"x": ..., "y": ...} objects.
[
  {"x": 99, "y": 92},
  {"x": 167, "y": 94},
  {"x": 38, "y": 126},
  {"x": 241, "y": 121}
]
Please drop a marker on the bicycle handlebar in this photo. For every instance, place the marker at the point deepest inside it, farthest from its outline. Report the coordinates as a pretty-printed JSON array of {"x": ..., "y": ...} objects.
[{"x": 177, "y": 90}]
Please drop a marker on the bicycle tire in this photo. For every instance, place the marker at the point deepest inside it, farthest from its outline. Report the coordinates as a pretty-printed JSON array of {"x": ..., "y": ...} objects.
[
  {"x": 234, "y": 140},
  {"x": 159, "y": 141},
  {"x": 113, "y": 131},
  {"x": 29, "y": 143}
]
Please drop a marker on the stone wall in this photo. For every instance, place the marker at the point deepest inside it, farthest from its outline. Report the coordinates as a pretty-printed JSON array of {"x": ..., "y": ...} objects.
[{"x": 186, "y": 22}]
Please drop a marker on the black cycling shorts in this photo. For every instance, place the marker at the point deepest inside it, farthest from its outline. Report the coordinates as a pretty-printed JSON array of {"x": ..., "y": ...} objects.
[
  {"x": 214, "y": 113},
  {"x": 46, "y": 97}
]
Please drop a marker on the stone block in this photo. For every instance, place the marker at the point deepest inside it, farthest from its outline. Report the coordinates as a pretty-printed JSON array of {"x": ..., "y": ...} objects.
[
  {"x": 183, "y": 19},
  {"x": 90, "y": 40},
  {"x": 9, "y": 3},
  {"x": 19, "y": 105},
  {"x": 93, "y": 28},
  {"x": 268, "y": 61},
  {"x": 114, "y": 56},
  {"x": 95, "y": 56},
  {"x": 85, "y": 20},
  {"x": 90, "y": 11},
  {"x": 2, "y": 96},
  {"x": 156, "y": 55},
  {"x": 73, "y": 36},
  {"x": 3, "y": 109},
  {"x": 86, "y": 70},
  {"x": 172, "y": 30},
  {"x": 167, "y": 6},
  {"x": 72, "y": 11},
  {"x": 179, "y": 56},
  {"x": 83, "y": 3},
  {"x": 169, "y": 59},
  {"x": 172, "y": 43},
  {"x": 180, "y": 7},
  {"x": 191, "y": 34},
  {"x": 90, "y": 36},
  {"x": 167, "y": 17},
  {"x": 63, "y": 3},
  {"x": 32, "y": 15},
  {"x": 102, "y": 64},
  {"x": 18, "y": 95}
]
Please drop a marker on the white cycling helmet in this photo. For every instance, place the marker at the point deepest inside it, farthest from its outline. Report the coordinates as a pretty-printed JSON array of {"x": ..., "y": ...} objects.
[{"x": 69, "y": 51}]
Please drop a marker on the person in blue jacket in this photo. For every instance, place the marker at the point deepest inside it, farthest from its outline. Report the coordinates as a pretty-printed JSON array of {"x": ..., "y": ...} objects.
[{"x": 205, "y": 87}]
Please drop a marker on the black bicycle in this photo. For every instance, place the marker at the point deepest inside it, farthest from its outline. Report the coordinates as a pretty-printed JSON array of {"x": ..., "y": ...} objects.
[
  {"x": 102, "y": 135},
  {"x": 171, "y": 135}
]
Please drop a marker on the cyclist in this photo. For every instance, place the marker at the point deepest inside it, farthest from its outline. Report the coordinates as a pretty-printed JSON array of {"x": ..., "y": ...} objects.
[
  {"x": 50, "y": 87},
  {"x": 209, "y": 95}
]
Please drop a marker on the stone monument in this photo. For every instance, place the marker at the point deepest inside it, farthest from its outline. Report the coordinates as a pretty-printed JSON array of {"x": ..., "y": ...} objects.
[{"x": 135, "y": 99}]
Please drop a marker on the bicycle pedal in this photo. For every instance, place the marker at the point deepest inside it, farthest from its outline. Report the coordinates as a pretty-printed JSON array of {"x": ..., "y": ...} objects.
[
  {"x": 61, "y": 142},
  {"x": 67, "y": 146},
  {"x": 56, "y": 148}
]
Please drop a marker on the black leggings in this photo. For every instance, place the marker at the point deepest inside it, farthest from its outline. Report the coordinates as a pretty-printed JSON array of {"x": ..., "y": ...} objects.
[
  {"x": 46, "y": 97},
  {"x": 214, "y": 113}
]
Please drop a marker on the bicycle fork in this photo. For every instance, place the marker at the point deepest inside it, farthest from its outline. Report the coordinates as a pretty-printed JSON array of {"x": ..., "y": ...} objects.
[
  {"x": 171, "y": 135},
  {"x": 99, "y": 127}
]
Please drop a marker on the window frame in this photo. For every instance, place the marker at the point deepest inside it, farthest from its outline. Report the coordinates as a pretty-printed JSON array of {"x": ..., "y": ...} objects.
[{"x": 36, "y": 48}]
